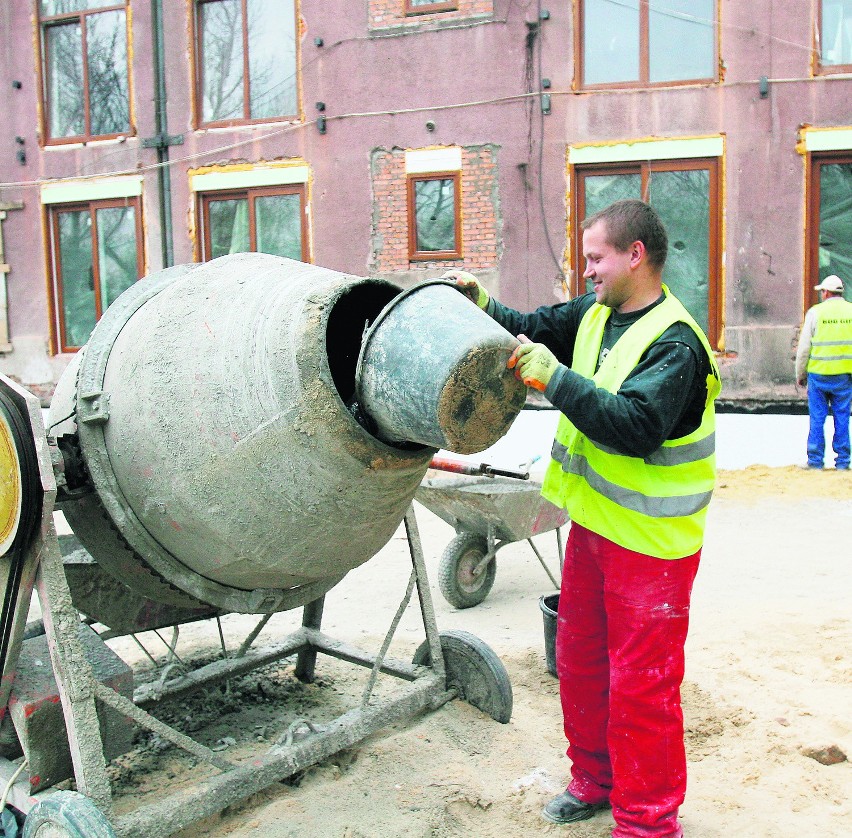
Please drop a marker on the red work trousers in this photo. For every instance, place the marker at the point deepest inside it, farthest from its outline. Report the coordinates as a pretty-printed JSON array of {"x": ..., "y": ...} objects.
[{"x": 621, "y": 628}]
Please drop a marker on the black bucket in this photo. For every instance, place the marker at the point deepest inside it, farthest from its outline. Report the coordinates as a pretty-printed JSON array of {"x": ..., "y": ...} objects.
[{"x": 549, "y": 605}]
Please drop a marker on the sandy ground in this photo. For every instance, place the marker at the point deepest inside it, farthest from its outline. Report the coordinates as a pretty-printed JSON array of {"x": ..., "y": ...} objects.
[{"x": 768, "y": 680}]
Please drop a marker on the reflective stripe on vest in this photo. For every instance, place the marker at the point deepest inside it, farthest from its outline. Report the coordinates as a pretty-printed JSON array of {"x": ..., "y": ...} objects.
[
  {"x": 831, "y": 345},
  {"x": 656, "y": 505}
]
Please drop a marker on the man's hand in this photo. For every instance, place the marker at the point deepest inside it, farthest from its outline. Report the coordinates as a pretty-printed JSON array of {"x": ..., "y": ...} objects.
[
  {"x": 534, "y": 364},
  {"x": 468, "y": 284}
]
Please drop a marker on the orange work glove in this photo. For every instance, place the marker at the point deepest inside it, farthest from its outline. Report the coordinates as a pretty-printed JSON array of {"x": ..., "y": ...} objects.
[{"x": 534, "y": 364}]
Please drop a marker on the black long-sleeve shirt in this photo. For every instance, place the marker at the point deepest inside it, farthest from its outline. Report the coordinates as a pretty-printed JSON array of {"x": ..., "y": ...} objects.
[{"x": 662, "y": 398}]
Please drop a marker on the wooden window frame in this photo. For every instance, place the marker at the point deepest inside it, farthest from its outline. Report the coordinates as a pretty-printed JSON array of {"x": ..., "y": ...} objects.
[
  {"x": 430, "y": 8},
  {"x": 44, "y": 22},
  {"x": 250, "y": 194},
  {"x": 644, "y": 53},
  {"x": 198, "y": 79},
  {"x": 55, "y": 260},
  {"x": 815, "y": 164},
  {"x": 645, "y": 168},
  {"x": 415, "y": 255},
  {"x": 820, "y": 68}
]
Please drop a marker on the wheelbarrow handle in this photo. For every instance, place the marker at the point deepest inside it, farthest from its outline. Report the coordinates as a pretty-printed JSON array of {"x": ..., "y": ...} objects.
[{"x": 482, "y": 469}]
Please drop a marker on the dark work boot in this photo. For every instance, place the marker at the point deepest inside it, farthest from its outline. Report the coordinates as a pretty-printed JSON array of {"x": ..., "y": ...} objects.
[{"x": 565, "y": 808}]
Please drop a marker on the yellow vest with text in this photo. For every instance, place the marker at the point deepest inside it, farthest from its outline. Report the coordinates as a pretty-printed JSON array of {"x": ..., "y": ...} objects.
[
  {"x": 656, "y": 505},
  {"x": 831, "y": 345}
]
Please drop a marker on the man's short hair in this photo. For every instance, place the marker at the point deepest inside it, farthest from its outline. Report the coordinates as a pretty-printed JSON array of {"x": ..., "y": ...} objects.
[{"x": 629, "y": 221}]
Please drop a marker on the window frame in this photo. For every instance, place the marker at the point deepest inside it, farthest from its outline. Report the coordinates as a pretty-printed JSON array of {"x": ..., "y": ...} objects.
[
  {"x": 198, "y": 77},
  {"x": 645, "y": 168},
  {"x": 429, "y": 8},
  {"x": 644, "y": 53},
  {"x": 44, "y": 22},
  {"x": 810, "y": 296},
  {"x": 415, "y": 255},
  {"x": 820, "y": 68},
  {"x": 56, "y": 293},
  {"x": 250, "y": 193}
]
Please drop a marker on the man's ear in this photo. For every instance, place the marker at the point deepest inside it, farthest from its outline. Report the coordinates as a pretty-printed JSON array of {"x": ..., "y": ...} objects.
[{"x": 637, "y": 253}]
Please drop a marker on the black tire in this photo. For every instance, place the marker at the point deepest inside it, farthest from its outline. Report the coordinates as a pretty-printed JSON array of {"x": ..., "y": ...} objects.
[
  {"x": 67, "y": 813},
  {"x": 455, "y": 572},
  {"x": 474, "y": 671}
]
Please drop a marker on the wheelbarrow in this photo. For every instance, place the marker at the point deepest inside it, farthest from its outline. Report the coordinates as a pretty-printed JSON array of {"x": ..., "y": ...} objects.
[{"x": 489, "y": 508}]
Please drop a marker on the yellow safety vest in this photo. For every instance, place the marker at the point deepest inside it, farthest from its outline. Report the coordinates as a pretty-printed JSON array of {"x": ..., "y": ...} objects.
[
  {"x": 831, "y": 345},
  {"x": 656, "y": 505}
]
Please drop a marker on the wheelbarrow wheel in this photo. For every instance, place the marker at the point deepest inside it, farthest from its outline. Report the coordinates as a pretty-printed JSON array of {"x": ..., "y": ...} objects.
[
  {"x": 459, "y": 584},
  {"x": 474, "y": 671},
  {"x": 66, "y": 814}
]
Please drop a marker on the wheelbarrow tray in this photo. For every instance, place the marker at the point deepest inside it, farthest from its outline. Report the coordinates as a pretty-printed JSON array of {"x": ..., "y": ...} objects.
[{"x": 514, "y": 508}]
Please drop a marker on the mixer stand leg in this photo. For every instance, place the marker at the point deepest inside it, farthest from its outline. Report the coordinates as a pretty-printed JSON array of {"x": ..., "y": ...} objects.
[
  {"x": 306, "y": 659},
  {"x": 73, "y": 674},
  {"x": 427, "y": 609}
]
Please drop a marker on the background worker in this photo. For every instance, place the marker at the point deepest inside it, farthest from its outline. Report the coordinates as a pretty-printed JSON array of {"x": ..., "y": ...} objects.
[
  {"x": 824, "y": 363},
  {"x": 634, "y": 465}
]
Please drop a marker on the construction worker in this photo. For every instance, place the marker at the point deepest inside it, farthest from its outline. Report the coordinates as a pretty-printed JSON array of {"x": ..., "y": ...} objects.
[
  {"x": 824, "y": 363},
  {"x": 634, "y": 464}
]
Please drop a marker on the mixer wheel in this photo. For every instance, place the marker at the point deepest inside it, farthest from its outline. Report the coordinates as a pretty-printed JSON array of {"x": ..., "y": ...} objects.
[
  {"x": 66, "y": 814},
  {"x": 459, "y": 584},
  {"x": 474, "y": 671}
]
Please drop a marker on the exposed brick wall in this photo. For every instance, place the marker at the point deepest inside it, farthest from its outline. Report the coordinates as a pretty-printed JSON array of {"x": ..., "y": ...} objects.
[
  {"x": 385, "y": 13},
  {"x": 390, "y": 223},
  {"x": 479, "y": 209}
]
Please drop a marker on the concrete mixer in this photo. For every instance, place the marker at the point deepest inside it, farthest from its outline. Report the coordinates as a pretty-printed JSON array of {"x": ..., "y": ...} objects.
[{"x": 235, "y": 436}]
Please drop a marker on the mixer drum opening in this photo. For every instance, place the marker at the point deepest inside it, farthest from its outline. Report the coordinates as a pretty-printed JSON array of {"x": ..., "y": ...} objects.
[{"x": 351, "y": 315}]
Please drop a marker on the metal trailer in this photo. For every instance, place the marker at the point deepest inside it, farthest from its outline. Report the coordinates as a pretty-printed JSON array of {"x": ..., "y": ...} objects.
[
  {"x": 487, "y": 512},
  {"x": 452, "y": 664}
]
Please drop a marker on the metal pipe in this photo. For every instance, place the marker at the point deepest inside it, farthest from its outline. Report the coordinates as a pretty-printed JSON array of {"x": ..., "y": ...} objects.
[{"x": 161, "y": 118}]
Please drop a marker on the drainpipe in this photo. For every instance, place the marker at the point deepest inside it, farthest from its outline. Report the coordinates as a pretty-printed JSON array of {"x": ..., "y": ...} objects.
[{"x": 162, "y": 140}]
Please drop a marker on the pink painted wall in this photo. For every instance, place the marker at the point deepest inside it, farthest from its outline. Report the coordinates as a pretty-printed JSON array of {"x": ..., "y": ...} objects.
[{"x": 487, "y": 53}]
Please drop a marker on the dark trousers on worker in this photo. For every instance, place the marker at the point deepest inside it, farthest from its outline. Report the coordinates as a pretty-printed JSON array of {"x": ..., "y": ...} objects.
[
  {"x": 829, "y": 394},
  {"x": 621, "y": 628}
]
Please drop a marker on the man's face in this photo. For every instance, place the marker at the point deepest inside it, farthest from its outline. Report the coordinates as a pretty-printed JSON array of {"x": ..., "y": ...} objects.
[{"x": 607, "y": 268}]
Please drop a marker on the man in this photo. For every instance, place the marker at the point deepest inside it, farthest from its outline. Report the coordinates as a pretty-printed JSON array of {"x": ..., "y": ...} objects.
[
  {"x": 634, "y": 465},
  {"x": 824, "y": 362}
]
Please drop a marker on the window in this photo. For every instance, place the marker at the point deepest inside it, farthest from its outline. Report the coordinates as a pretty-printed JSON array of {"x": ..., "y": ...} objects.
[
  {"x": 96, "y": 254},
  {"x": 84, "y": 69},
  {"x": 263, "y": 220},
  {"x": 422, "y": 7},
  {"x": 246, "y": 62},
  {"x": 434, "y": 227},
  {"x": 684, "y": 193},
  {"x": 835, "y": 35},
  {"x": 642, "y": 42},
  {"x": 830, "y": 222}
]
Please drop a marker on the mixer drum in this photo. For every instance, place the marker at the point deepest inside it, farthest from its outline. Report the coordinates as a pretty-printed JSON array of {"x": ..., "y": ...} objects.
[
  {"x": 215, "y": 453},
  {"x": 211, "y": 422}
]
